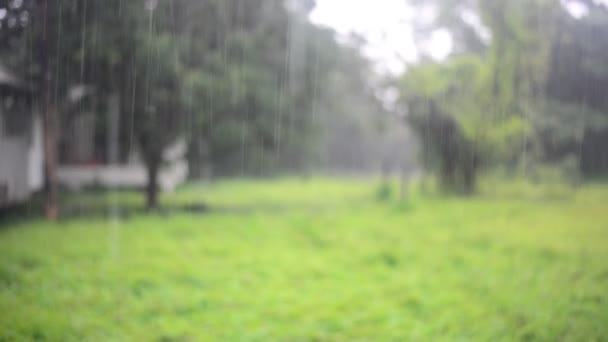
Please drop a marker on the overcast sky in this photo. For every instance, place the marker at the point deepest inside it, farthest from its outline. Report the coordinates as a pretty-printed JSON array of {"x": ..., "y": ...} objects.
[{"x": 387, "y": 26}]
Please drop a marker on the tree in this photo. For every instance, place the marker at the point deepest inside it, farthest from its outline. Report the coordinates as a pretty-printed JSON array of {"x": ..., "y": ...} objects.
[
  {"x": 575, "y": 123},
  {"x": 487, "y": 97},
  {"x": 458, "y": 127}
]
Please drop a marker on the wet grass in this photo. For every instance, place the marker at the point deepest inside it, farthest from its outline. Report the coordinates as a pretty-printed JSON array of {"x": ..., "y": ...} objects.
[{"x": 313, "y": 260}]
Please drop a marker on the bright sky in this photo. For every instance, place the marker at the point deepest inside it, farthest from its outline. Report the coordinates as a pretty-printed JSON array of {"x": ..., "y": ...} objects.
[{"x": 386, "y": 25}]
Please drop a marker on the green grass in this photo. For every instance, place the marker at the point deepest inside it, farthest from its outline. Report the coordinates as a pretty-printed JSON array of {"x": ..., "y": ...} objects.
[{"x": 295, "y": 260}]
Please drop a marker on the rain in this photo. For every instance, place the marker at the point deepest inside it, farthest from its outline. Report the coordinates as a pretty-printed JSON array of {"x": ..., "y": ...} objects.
[{"x": 332, "y": 170}]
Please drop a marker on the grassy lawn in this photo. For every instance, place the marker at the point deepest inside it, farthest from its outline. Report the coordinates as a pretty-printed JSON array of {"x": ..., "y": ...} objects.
[{"x": 296, "y": 260}]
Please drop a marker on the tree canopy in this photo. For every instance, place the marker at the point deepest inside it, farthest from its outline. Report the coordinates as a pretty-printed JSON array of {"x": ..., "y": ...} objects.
[{"x": 523, "y": 87}]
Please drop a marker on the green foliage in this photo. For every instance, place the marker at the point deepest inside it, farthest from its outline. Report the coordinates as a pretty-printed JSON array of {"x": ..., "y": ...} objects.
[
  {"x": 461, "y": 130},
  {"x": 532, "y": 95},
  {"x": 321, "y": 253},
  {"x": 384, "y": 192}
]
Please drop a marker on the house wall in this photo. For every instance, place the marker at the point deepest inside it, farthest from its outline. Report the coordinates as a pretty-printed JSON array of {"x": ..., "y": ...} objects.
[
  {"x": 14, "y": 164},
  {"x": 36, "y": 156},
  {"x": 121, "y": 176},
  {"x": 130, "y": 175}
]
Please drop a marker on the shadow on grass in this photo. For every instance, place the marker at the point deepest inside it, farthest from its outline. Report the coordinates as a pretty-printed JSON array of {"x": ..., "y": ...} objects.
[
  {"x": 101, "y": 209},
  {"x": 109, "y": 211},
  {"x": 91, "y": 204}
]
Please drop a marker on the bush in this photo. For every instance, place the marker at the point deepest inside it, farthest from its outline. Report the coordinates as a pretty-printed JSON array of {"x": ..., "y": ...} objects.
[{"x": 384, "y": 192}]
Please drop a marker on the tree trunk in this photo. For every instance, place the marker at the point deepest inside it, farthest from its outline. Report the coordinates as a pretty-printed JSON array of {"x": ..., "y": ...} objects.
[
  {"x": 50, "y": 164},
  {"x": 447, "y": 175},
  {"x": 152, "y": 186},
  {"x": 49, "y": 129},
  {"x": 470, "y": 179}
]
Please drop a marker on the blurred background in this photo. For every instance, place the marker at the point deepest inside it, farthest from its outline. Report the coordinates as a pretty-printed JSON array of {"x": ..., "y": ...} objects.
[{"x": 181, "y": 170}]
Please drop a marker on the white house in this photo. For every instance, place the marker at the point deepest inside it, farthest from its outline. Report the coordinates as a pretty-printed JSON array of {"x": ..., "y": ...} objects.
[
  {"x": 21, "y": 146},
  {"x": 22, "y": 149}
]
